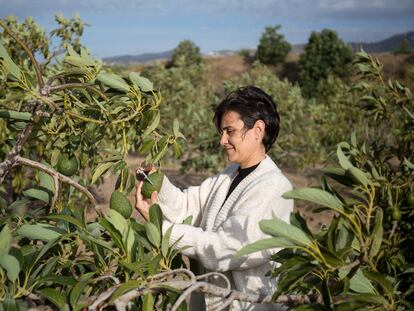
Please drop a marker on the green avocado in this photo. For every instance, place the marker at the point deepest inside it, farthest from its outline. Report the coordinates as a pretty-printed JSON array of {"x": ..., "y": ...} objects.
[
  {"x": 120, "y": 203},
  {"x": 156, "y": 178},
  {"x": 66, "y": 165}
]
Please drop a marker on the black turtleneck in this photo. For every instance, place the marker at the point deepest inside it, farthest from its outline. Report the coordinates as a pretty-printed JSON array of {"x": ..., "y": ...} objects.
[{"x": 243, "y": 172}]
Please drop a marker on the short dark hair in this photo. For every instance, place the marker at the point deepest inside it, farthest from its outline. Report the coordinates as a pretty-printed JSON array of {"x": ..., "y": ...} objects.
[{"x": 253, "y": 104}]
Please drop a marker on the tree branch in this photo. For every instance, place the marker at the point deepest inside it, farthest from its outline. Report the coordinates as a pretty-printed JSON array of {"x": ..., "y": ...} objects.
[
  {"x": 77, "y": 85},
  {"x": 29, "y": 53},
  {"x": 62, "y": 178},
  {"x": 158, "y": 283}
]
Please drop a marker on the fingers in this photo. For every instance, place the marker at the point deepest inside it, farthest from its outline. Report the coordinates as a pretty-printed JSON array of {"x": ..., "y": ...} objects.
[
  {"x": 138, "y": 195},
  {"x": 154, "y": 197}
]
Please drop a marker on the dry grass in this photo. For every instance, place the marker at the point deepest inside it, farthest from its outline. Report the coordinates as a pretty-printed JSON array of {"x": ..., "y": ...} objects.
[{"x": 225, "y": 67}]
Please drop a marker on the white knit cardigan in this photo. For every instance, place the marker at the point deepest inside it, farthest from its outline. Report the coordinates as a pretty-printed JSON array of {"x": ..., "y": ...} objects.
[{"x": 219, "y": 230}]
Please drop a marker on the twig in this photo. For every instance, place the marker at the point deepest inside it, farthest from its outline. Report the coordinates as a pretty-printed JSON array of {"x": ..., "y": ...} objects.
[
  {"x": 29, "y": 53},
  {"x": 394, "y": 226},
  {"x": 56, "y": 193},
  {"x": 157, "y": 283},
  {"x": 63, "y": 178},
  {"x": 187, "y": 292},
  {"x": 77, "y": 85},
  {"x": 227, "y": 302}
]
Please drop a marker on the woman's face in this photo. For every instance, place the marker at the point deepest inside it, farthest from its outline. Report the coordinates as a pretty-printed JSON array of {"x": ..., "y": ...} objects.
[{"x": 243, "y": 146}]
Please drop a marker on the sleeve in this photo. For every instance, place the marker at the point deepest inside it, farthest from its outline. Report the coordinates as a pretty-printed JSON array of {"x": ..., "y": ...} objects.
[
  {"x": 216, "y": 250},
  {"x": 177, "y": 204}
]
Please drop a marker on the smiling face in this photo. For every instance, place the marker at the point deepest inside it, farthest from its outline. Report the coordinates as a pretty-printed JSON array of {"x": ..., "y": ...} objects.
[{"x": 243, "y": 146}]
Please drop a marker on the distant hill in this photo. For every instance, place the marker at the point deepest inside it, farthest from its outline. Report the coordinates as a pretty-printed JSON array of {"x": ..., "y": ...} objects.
[
  {"x": 384, "y": 46},
  {"x": 142, "y": 58},
  {"x": 387, "y": 45}
]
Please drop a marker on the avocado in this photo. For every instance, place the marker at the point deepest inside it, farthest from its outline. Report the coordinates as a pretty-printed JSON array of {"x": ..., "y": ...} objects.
[
  {"x": 156, "y": 178},
  {"x": 66, "y": 165},
  {"x": 120, "y": 203}
]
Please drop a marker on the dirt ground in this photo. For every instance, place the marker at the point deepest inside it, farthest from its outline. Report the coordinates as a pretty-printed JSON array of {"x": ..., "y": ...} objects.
[{"x": 184, "y": 180}]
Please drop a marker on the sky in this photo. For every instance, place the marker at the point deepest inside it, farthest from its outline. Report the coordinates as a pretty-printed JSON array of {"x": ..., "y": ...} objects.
[{"x": 121, "y": 27}]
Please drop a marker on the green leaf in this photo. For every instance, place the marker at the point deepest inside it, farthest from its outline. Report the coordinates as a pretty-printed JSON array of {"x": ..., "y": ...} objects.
[
  {"x": 176, "y": 129},
  {"x": 358, "y": 283},
  {"x": 67, "y": 218},
  {"x": 7, "y": 63},
  {"x": 129, "y": 240},
  {"x": 188, "y": 220},
  {"x": 270, "y": 243},
  {"x": 101, "y": 169},
  {"x": 358, "y": 175},
  {"x": 37, "y": 194},
  {"x": 380, "y": 279},
  {"x": 165, "y": 243},
  {"x": 15, "y": 115},
  {"x": 144, "y": 84},
  {"x": 281, "y": 229},
  {"x": 53, "y": 296},
  {"x": 11, "y": 265},
  {"x": 76, "y": 292},
  {"x": 343, "y": 160},
  {"x": 153, "y": 234},
  {"x": 58, "y": 279},
  {"x": 377, "y": 233},
  {"x": 118, "y": 221},
  {"x": 37, "y": 232},
  {"x": 155, "y": 215},
  {"x": 46, "y": 181},
  {"x": 326, "y": 294},
  {"x": 5, "y": 240},
  {"x": 154, "y": 124},
  {"x": 148, "y": 303},
  {"x": 353, "y": 139},
  {"x": 113, "y": 81},
  {"x": 315, "y": 195},
  {"x": 408, "y": 164},
  {"x": 338, "y": 174}
]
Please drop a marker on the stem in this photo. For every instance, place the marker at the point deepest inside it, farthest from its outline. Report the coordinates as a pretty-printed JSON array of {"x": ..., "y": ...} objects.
[
  {"x": 77, "y": 85},
  {"x": 86, "y": 119},
  {"x": 29, "y": 53}
]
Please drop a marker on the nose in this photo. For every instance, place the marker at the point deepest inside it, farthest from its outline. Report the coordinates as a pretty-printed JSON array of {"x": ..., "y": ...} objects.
[{"x": 223, "y": 138}]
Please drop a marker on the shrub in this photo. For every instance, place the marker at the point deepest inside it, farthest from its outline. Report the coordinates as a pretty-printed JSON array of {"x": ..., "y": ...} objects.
[
  {"x": 272, "y": 48},
  {"x": 185, "y": 54},
  {"x": 324, "y": 55}
]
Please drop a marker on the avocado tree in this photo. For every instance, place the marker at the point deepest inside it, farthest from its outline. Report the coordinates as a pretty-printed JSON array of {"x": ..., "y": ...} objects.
[
  {"x": 325, "y": 55},
  {"x": 364, "y": 258},
  {"x": 272, "y": 48},
  {"x": 69, "y": 120},
  {"x": 64, "y": 123}
]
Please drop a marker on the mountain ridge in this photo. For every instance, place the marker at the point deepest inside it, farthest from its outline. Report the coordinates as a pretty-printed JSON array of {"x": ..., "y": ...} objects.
[{"x": 383, "y": 46}]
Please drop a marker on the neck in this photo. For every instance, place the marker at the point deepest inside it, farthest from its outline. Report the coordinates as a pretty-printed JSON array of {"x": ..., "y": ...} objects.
[{"x": 253, "y": 160}]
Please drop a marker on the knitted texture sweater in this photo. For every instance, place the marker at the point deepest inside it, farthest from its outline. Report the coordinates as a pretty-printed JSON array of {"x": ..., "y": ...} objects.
[{"x": 219, "y": 230}]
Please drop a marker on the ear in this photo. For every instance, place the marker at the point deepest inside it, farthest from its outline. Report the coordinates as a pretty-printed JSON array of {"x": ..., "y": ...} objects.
[{"x": 259, "y": 129}]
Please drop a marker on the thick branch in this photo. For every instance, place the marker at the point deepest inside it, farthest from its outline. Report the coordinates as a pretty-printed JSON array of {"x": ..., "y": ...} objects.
[
  {"x": 62, "y": 178},
  {"x": 29, "y": 53},
  {"x": 159, "y": 283}
]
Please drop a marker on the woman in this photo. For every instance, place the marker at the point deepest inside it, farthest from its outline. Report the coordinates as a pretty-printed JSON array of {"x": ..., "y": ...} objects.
[{"x": 227, "y": 207}]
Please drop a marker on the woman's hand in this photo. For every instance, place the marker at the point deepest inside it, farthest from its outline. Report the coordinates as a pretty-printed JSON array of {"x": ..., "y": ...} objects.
[{"x": 142, "y": 204}]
